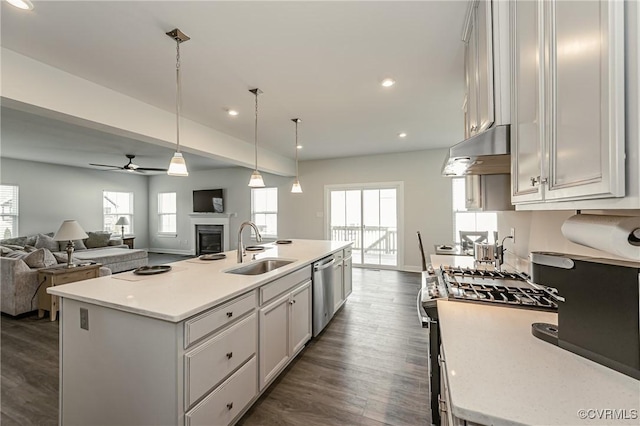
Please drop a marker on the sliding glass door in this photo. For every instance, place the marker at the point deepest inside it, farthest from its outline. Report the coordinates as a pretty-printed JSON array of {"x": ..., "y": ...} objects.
[{"x": 367, "y": 216}]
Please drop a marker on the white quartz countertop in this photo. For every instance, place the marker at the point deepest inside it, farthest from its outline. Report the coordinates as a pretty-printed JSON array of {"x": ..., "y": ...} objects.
[
  {"x": 500, "y": 374},
  {"x": 192, "y": 285}
]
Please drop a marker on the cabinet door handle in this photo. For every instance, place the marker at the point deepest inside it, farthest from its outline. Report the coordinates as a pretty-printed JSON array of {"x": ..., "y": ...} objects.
[
  {"x": 229, "y": 355},
  {"x": 538, "y": 180},
  {"x": 229, "y": 314},
  {"x": 291, "y": 302},
  {"x": 230, "y": 406}
]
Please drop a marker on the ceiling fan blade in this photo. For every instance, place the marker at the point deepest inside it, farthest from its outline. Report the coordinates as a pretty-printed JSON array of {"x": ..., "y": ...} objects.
[
  {"x": 105, "y": 165},
  {"x": 151, "y": 169}
]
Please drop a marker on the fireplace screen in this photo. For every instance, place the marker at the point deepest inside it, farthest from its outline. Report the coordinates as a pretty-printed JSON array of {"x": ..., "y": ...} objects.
[{"x": 209, "y": 239}]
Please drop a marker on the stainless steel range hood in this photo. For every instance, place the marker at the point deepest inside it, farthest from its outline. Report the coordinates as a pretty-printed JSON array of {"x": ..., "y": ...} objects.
[{"x": 486, "y": 153}]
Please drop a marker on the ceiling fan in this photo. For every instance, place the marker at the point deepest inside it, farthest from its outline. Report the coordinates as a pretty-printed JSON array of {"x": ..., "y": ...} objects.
[{"x": 130, "y": 166}]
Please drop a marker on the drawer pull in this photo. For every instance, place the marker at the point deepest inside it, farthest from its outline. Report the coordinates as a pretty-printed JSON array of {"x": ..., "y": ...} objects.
[
  {"x": 230, "y": 406},
  {"x": 229, "y": 314},
  {"x": 229, "y": 355}
]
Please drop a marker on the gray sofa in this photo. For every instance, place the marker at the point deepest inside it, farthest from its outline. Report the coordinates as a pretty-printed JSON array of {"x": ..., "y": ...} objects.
[{"x": 19, "y": 270}]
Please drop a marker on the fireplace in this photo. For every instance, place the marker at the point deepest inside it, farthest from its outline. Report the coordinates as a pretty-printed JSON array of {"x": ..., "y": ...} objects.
[{"x": 209, "y": 239}]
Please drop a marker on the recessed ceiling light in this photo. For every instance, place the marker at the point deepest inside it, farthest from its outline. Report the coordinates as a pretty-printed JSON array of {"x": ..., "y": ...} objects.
[
  {"x": 232, "y": 112},
  {"x": 21, "y": 4},
  {"x": 388, "y": 82},
  {"x": 402, "y": 135},
  {"x": 299, "y": 146}
]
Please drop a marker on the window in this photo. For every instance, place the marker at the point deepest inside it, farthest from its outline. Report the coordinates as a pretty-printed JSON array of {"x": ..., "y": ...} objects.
[
  {"x": 8, "y": 211},
  {"x": 114, "y": 206},
  {"x": 264, "y": 211},
  {"x": 464, "y": 220},
  {"x": 167, "y": 216}
]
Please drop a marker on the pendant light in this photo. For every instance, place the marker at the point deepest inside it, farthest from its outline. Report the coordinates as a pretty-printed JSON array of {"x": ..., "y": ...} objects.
[
  {"x": 296, "y": 188},
  {"x": 177, "y": 166},
  {"x": 256, "y": 178}
]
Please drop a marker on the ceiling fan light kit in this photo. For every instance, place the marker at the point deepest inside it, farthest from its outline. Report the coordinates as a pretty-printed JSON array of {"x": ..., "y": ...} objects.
[
  {"x": 296, "y": 188},
  {"x": 177, "y": 166},
  {"x": 256, "y": 178}
]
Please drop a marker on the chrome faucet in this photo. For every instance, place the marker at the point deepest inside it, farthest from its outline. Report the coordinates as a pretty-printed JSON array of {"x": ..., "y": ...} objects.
[{"x": 240, "y": 245}]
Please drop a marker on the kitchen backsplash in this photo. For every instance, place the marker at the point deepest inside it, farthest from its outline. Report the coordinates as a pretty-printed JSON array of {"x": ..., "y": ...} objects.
[{"x": 541, "y": 231}]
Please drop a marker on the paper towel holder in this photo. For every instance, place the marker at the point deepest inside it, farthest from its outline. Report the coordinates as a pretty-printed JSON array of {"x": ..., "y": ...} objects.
[{"x": 634, "y": 238}]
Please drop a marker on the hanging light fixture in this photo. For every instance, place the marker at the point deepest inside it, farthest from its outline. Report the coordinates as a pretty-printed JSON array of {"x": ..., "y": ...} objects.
[
  {"x": 256, "y": 178},
  {"x": 177, "y": 166},
  {"x": 296, "y": 188}
]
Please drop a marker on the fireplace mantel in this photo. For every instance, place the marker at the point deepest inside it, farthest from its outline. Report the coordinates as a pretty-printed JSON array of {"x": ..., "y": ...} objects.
[{"x": 209, "y": 219}]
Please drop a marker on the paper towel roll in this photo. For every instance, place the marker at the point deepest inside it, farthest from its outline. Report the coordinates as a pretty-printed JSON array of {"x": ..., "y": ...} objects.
[{"x": 612, "y": 234}]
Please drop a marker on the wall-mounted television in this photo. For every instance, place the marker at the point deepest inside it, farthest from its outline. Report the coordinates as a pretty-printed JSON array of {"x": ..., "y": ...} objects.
[{"x": 208, "y": 201}]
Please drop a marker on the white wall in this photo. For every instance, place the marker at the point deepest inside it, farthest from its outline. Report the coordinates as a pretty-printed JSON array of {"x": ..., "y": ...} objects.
[
  {"x": 49, "y": 194},
  {"x": 541, "y": 231},
  {"x": 427, "y": 196},
  {"x": 237, "y": 202}
]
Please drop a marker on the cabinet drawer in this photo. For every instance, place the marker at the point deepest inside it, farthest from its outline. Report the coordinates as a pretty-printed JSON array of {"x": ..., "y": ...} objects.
[
  {"x": 226, "y": 402},
  {"x": 338, "y": 256},
  {"x": 210, "y": 363},
  {"x": 286, "y": 283},
  {"x": 198, "y": 327}
]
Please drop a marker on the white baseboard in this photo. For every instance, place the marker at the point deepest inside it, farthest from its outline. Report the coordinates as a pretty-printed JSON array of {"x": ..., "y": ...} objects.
[{"x": 170, "y": 251}]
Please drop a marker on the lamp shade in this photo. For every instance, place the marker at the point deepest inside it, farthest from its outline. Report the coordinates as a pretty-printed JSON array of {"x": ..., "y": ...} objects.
[
  {"x": 177, "y": 166},
  {"x": 70, "y": 230},
  {"x": 122, "y": 221},
  {"x": 256, "y": 180},
  {"x": 296, "y": 188}
]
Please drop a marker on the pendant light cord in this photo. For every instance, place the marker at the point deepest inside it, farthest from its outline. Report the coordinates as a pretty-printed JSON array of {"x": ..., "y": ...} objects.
[
  {"x": 296, "y": 150},
  {"x": 178, "y": 96},
  {"x": 256, "y": 132}
]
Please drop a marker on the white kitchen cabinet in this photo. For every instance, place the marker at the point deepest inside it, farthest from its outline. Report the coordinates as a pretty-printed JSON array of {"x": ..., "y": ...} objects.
[
  {"x": 285, "y": 327},
  {"x": 478, "y": 38},
  {"x": 567, "y": 134}
]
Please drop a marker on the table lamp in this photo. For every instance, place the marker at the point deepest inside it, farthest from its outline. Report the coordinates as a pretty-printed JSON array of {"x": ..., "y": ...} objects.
[
  {"x": 70, "y": 230},
  {"x": 122, "y": 222}
]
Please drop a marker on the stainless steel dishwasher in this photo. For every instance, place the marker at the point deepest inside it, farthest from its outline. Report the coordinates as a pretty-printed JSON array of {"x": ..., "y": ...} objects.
[{"x": 322, "y": 293}]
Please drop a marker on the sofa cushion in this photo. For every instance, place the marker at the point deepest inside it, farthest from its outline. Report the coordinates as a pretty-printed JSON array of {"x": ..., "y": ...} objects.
[
  {"x": 5, "y": 250},
  {"x": 109, "y": 255},
  {"x": 97, "y": 239},
  {"x": 41, "y": 258},
  {"x": 61, "y": 257},
  {"x": 45, "y": 241},
  {"x": 77, "y": 245},
  {"x": 12, "y": 246}
]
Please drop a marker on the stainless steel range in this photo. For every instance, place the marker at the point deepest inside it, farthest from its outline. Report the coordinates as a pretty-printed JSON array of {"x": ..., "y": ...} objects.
[{"x": 473, "y": 286}]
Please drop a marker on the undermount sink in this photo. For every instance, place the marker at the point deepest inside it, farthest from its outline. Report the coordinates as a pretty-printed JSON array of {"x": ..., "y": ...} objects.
[{"x": 260, "y": 267}]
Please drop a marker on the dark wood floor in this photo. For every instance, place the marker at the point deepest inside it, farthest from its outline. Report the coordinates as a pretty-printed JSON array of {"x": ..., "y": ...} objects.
[{"x": 369, "y": 367}]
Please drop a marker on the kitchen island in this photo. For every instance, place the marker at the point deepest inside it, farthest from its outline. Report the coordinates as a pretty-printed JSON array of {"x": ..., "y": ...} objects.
[
  {"x": 498, "y": 373},
  {"x": 195, "y": 345}
]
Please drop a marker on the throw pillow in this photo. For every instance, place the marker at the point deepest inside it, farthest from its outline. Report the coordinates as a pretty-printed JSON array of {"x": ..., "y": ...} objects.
[
  {"x": 97, "y": 239},
  {"x": 40, "y": 258},
  {"x": 45, "y": 241},
  {"x": 29, "y": 249},
  {"x": 5, "y": 251},
  {"x": 77, "y": 245},
  {"x": 17, "y": 241}
]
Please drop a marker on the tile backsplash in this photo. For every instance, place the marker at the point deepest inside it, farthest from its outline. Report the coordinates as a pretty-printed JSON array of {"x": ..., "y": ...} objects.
[{"x": 541, "y": 231}]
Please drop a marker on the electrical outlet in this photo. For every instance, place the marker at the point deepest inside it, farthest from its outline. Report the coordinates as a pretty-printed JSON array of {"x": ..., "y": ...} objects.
[
  {"x": 513, "y": 235},
  {"x": 84, "y": 318}
]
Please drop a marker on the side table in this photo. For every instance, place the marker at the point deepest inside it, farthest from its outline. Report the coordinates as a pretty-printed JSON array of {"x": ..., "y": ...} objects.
[
  {"x": 59, "y": 275},
  {"x": 128, "y": 241}
]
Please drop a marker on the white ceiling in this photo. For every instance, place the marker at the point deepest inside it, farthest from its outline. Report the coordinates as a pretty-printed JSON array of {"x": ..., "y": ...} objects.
[{"x": 320, "y": 61}]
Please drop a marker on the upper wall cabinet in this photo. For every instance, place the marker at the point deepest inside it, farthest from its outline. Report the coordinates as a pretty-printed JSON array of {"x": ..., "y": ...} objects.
[
  {"x": 477, "y": 36},
  {"x": 567, "y": 110}
]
